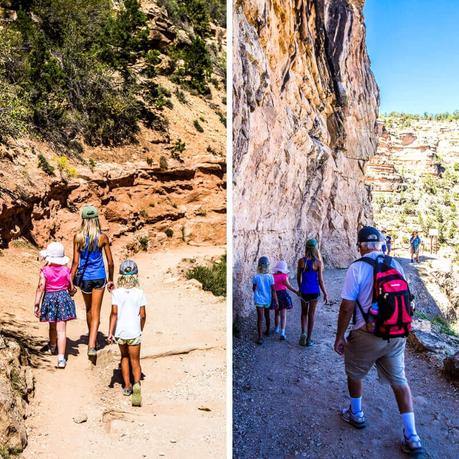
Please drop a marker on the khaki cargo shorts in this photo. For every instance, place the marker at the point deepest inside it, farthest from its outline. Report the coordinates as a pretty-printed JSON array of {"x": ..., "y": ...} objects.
[
  {"x": 363, "y": 350},
  {"x": 130, "y": 341}
]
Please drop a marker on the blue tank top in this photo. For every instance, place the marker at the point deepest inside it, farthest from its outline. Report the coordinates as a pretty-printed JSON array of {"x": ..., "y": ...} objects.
[
  {"x": 95, "y": 268},
  {"x": 309, "y": 278}
]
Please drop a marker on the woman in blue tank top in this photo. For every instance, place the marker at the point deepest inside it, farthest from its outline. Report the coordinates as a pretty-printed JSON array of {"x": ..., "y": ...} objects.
[
  {"x": 88, "y": 266},
  {"x": 310, "y": 282}
]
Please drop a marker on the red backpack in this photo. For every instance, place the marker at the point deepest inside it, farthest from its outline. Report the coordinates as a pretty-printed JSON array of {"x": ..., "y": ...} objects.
[{"x": 391, "y": 312}]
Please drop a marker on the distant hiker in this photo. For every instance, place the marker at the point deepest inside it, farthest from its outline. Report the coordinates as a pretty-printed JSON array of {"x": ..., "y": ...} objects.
[
  {"x": 263, "y": 295},
  {"x": 415, "y": 245},
  {"x": 389, "y": 244},
  {"x": 127, "y": 321},
  {"x": 382, "y": 319},
  {"x": 310, "y": 281},
  {"x": 53, "y": 293},
  {"x": 88, "y": 269},
  {"x": 281, "y": 284},
  {"x": 384, "y": 242}
]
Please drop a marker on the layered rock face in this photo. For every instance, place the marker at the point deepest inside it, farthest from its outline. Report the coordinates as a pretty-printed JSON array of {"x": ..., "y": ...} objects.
[
  {"x": 418, "y": 149},
  {"x": 305, "y": 107}
]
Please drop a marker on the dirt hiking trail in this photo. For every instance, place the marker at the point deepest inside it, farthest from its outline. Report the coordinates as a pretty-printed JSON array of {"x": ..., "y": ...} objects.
[
  {"x": 183, "y": 362},
  {"x": 286, "y": 397}
]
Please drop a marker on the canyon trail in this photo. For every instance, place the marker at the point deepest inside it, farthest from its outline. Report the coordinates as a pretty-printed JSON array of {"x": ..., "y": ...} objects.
[
  {"x": 183, "y": 360},
  {"x": 295, "y": 393}
]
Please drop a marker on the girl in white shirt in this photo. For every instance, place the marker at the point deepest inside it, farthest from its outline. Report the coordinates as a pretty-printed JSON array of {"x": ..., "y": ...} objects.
[{"x": 127, "y": 321}]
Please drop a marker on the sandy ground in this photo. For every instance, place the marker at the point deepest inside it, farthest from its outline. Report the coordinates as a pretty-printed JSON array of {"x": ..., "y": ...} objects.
[
  {"x": 183, "y": 362},
  {"x": 286, "y": 398}
]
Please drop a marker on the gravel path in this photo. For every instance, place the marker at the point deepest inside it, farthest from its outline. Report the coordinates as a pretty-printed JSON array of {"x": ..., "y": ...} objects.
[{"x": 286, "y": 398}]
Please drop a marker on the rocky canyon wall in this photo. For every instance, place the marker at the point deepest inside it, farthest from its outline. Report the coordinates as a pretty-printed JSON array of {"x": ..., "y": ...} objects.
[{"x": 305, "y": 107}]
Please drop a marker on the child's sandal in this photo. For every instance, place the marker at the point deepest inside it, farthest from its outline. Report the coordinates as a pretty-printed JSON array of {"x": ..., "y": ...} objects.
[{"x": 127, "y": 391}]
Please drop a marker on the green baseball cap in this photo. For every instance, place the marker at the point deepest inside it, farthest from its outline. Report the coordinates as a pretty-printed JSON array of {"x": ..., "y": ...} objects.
[
  {"x": 89, "y": 212},
  {"x": 311, "y": 243}
]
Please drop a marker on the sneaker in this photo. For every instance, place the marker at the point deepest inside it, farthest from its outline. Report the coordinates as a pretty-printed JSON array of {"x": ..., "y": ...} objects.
[
  {"x": 277, "y": 330},
  {"x": 283, "y": 337},
  {"x": 61, "y": 363},
  {"x": 309, "y": 342},
  {"x": 92, "y": 351},
  {"x": 302, "y": 341},
  {"x": 412, "y": 446},
  {"x": 136, "y": 398},
  {"x": 356, "y": 420},
  {"x": 127, "y": 391}
]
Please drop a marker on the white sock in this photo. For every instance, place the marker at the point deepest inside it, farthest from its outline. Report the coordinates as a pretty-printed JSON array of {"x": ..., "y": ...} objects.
[
  {"x": 283, "y": 332},
  {"x": 60, "y": 357},
  {"x": 408, "y": 424},
  {"x": 277, "y": 330},
  {"x": 356, "y": 405}
]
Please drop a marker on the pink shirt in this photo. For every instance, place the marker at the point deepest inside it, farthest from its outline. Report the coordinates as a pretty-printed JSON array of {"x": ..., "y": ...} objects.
[
  {"x": 57, "y": 278},
  {"x": 280, "y": 281}
]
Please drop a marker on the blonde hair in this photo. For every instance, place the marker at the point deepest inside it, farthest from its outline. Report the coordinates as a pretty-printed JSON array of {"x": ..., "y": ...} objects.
[
  {"x": 129, "y": 281},
  {"x": 312, "y": 253},
  {"x": 89, "y": 227}
]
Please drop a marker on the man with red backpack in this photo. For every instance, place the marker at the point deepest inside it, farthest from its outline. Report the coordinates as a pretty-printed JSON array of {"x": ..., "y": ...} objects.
[{"x": 376, "y": 297}]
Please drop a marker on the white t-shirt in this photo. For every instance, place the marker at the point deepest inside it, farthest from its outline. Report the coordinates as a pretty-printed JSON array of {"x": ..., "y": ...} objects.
[
  {"x": 129, "y": 302},
  {"x": 358, "y": 285}
]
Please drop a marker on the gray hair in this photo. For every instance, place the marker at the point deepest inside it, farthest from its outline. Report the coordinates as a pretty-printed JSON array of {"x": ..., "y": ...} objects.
[{"x": 377, "y": 245}]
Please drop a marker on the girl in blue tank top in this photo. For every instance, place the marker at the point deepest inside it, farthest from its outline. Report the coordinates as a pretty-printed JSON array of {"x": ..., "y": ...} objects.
[
  {"x": 310, "y": 282},
  {"x": 88, "y": 269}
]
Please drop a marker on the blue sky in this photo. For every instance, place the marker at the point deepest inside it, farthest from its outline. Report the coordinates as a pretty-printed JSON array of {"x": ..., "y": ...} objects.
[{"x": 414, "y": 51}]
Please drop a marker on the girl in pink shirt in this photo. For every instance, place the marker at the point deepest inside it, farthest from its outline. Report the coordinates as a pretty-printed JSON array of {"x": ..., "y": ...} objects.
[
  {"x": 53, "y": 303},
  {"x": 281, "y": 284}
]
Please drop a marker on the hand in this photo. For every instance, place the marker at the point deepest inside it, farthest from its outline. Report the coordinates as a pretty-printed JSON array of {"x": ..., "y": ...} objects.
[
  {"x": 110, "y": 339},
  {"x": 339, "y": 345},
  {"x": 73, "y": 291},
  {"x": 325, "y": 298},
  {"x": 36, "y": 310},
  {"x": 110, "y": 286}
]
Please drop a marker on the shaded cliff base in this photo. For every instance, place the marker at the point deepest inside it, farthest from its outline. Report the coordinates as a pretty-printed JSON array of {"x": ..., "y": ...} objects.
[{"x": 297, "y": 393}]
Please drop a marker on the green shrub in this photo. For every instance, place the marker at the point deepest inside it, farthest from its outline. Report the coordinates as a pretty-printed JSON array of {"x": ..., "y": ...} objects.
[
  {"x": 144, "y": 243},
  {"x": 181, "y": 97},
  {"x": 212, "y": 278},
  {"x": 44, "y": 165},
  {"x": 198, "y": 126},
  {"x": 169, "y": 232},
  {"x": 149, "y": 161}
]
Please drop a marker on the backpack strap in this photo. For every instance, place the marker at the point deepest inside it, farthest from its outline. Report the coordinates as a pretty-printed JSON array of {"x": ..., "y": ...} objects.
[{"x": 372, "y": 262}]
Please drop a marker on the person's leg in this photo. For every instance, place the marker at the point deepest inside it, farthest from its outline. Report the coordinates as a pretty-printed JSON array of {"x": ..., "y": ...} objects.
[
  {"x": 125, "y": 365},
  {"x": 96, "y": 304},
  {"x": 283, "y": 314},
  {"x": 87, "y": 297},
  {"x": 134, "y": 359},
  {"x": 304, "y": 317},
  {"x": 52, "y": 337},
  {"x": 311, "y": 317},
  {"x": 260, "y": 322},
  {"x": 61, "y": 339},
  {"x": 268, "y": 320},
  {"x": 277, "y": 320}
]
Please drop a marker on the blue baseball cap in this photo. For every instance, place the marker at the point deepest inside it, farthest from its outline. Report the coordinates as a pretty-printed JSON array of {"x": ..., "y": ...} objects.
[{"x": 263, "y": 261}]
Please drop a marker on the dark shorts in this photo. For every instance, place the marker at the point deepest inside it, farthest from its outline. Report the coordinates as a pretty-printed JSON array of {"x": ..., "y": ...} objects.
[
  {"x": 87, "y": 286},
  {"x": 284, "y": 300},
  {"x": 310, "y": 296}
]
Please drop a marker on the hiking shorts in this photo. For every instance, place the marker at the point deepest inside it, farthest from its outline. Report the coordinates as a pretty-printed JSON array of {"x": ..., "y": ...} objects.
[
  {"x": 263, "y": 306},
  {"x": 129, "y": 341},
  {"x": 363, "y": 350}
]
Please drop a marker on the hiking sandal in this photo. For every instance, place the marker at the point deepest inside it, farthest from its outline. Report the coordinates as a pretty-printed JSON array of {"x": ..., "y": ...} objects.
[
  {"x": 413, "y": 447},
  {"x": 127, "y": 391},
  {"x": 136, "y": 398},
  {"x": 356, "y": 420},
  {"x": 309, "y": 342},
  {"x": 92, "y": 351},
  {"x": 302, "y": 341}
]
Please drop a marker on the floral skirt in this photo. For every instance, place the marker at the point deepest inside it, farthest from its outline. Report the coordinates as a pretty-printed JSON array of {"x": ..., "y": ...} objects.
[{"x": 57, "y": 307}]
